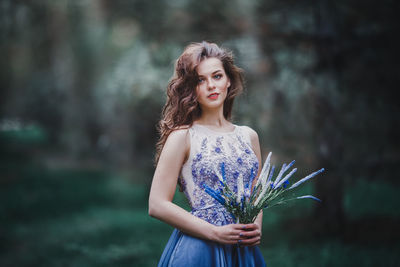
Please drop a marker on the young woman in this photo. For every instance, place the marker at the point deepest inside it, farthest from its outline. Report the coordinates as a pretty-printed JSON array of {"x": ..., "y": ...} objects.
[{"x": 197, "y": 136}]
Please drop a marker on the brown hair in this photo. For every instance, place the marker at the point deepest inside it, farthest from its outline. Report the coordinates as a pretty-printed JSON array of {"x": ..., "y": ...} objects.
[{"x": 181, "y": 107}]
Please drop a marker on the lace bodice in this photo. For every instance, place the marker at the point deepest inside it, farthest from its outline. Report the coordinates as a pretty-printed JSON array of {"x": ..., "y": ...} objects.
[{"x": 208, "y": 150}]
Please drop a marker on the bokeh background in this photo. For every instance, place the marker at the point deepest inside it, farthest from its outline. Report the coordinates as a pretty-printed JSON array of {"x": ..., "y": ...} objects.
[{"x": 82, "y": 87}]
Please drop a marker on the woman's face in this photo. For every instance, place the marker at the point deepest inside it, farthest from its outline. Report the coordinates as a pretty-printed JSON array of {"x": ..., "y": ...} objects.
[{"x": 213, "y": 83}]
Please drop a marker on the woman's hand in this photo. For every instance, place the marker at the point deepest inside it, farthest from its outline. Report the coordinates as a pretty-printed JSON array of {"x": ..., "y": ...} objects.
[
  {"x": 228, "y": 234},
  {"x": 250, "y": 235},
  {"x": 242, "y": 234}
]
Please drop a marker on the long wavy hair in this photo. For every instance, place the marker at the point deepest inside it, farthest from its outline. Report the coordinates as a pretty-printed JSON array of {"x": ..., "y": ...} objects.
[{"x": 181, "y": 108}]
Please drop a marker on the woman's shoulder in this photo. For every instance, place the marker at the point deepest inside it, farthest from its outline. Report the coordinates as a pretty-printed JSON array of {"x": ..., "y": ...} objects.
[
  {"x": 178, "y": 140},
  {"x": 253, "y": 138},
  {"x": 180, "y": 132},
  {"x": 250, "y": 132}
]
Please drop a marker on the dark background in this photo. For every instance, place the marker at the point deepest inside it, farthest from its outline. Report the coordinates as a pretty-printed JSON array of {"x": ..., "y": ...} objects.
[{"x": 82, "y": 87}]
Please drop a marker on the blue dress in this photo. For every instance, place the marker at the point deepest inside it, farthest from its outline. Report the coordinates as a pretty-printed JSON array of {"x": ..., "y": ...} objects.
[{"x": 208, "y": 150}]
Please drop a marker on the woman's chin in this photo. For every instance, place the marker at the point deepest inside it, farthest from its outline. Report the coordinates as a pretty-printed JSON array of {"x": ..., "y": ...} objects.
[{"x": 213, "y": 107}]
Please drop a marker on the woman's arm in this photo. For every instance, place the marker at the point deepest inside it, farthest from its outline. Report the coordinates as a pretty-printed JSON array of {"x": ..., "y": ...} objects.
[{"x": 172, "y": 157}]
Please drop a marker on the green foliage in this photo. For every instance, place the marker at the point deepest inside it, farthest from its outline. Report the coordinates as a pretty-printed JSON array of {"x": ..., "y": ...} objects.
[
  {"x": 29, "y": 136},
  {"x": 361, "y": 199},
  {"x": 78, "y": 218}
]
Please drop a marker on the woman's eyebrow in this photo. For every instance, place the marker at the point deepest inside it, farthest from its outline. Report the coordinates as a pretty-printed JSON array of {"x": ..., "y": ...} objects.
[{"x": 214, "y": 72}]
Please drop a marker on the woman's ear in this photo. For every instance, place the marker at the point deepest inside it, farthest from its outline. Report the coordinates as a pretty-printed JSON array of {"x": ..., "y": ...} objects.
[{"x": 229, "y": 83}]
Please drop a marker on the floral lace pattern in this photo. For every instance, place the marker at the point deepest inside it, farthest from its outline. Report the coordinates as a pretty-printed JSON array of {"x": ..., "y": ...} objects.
[{"x": 208, "y": 151}]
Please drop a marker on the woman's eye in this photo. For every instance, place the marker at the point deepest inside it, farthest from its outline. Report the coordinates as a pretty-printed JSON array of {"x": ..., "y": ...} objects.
[
  {"x": 218, "y": 76},
  {"x": 201, "y": 80}
]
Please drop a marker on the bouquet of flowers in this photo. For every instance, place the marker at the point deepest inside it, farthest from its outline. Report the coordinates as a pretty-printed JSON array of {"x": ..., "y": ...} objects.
[{"x": 246, "y": 204}]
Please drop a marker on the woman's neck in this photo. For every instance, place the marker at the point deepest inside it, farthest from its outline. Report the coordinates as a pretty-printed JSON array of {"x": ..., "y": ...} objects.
[{"x": 213, "y": 118}]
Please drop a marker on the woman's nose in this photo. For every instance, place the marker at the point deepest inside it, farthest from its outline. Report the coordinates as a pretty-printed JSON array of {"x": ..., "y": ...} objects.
[{"x": 211, "y": 85}]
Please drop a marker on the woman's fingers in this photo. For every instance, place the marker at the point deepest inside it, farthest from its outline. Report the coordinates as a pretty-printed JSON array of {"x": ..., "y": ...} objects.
[
  {"x": 235, "y": 232},
  {"x": 230, "y": 234},
  {"x": 249, "y": 234},
  {"x": 250, "y": 241},
  {"x": 251, "y": 226},
  {"x": 241, "y": 226}
]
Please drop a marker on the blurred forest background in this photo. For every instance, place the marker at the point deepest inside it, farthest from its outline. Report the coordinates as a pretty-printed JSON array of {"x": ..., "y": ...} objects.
[{"x": 82, "y": 87}]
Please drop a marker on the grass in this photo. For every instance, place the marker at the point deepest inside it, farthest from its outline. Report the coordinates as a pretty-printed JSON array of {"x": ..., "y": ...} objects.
[{"x": 98, "y": 218}]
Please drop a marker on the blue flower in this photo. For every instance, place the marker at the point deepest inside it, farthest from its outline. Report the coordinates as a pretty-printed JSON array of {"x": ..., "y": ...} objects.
[
  {"x": 266, "y": 193},
  {"x": 271, "y": 173},
  {"x": 218, "y": 150},
  {"x": 215, "y": 194},
  {"x": 306, "y": 178},
  {"x": 309, "y": 196},
  {"x": 286, "y": 183}
]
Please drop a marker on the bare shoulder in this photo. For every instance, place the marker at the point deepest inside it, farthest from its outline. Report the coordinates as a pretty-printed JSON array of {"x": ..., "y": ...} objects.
[
  {"x": 179, "y": 135},
  {"x": 178, "y": 143},
  {"x": 252, "y": 133}
]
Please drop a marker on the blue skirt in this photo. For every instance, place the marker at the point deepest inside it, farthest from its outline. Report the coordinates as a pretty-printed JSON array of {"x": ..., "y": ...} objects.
[{"x": 185, "y": 250}]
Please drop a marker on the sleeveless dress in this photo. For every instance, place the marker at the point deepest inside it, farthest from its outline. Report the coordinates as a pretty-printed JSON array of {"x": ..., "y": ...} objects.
[{"x": 208, "y": 150}]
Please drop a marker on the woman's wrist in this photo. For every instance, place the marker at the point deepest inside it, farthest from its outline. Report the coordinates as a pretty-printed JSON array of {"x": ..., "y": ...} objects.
[{"x": 212, "y": 233}]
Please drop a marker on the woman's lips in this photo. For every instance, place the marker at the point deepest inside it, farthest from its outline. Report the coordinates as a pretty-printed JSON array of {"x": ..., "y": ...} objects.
[{"x": 213, "y": 96}]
